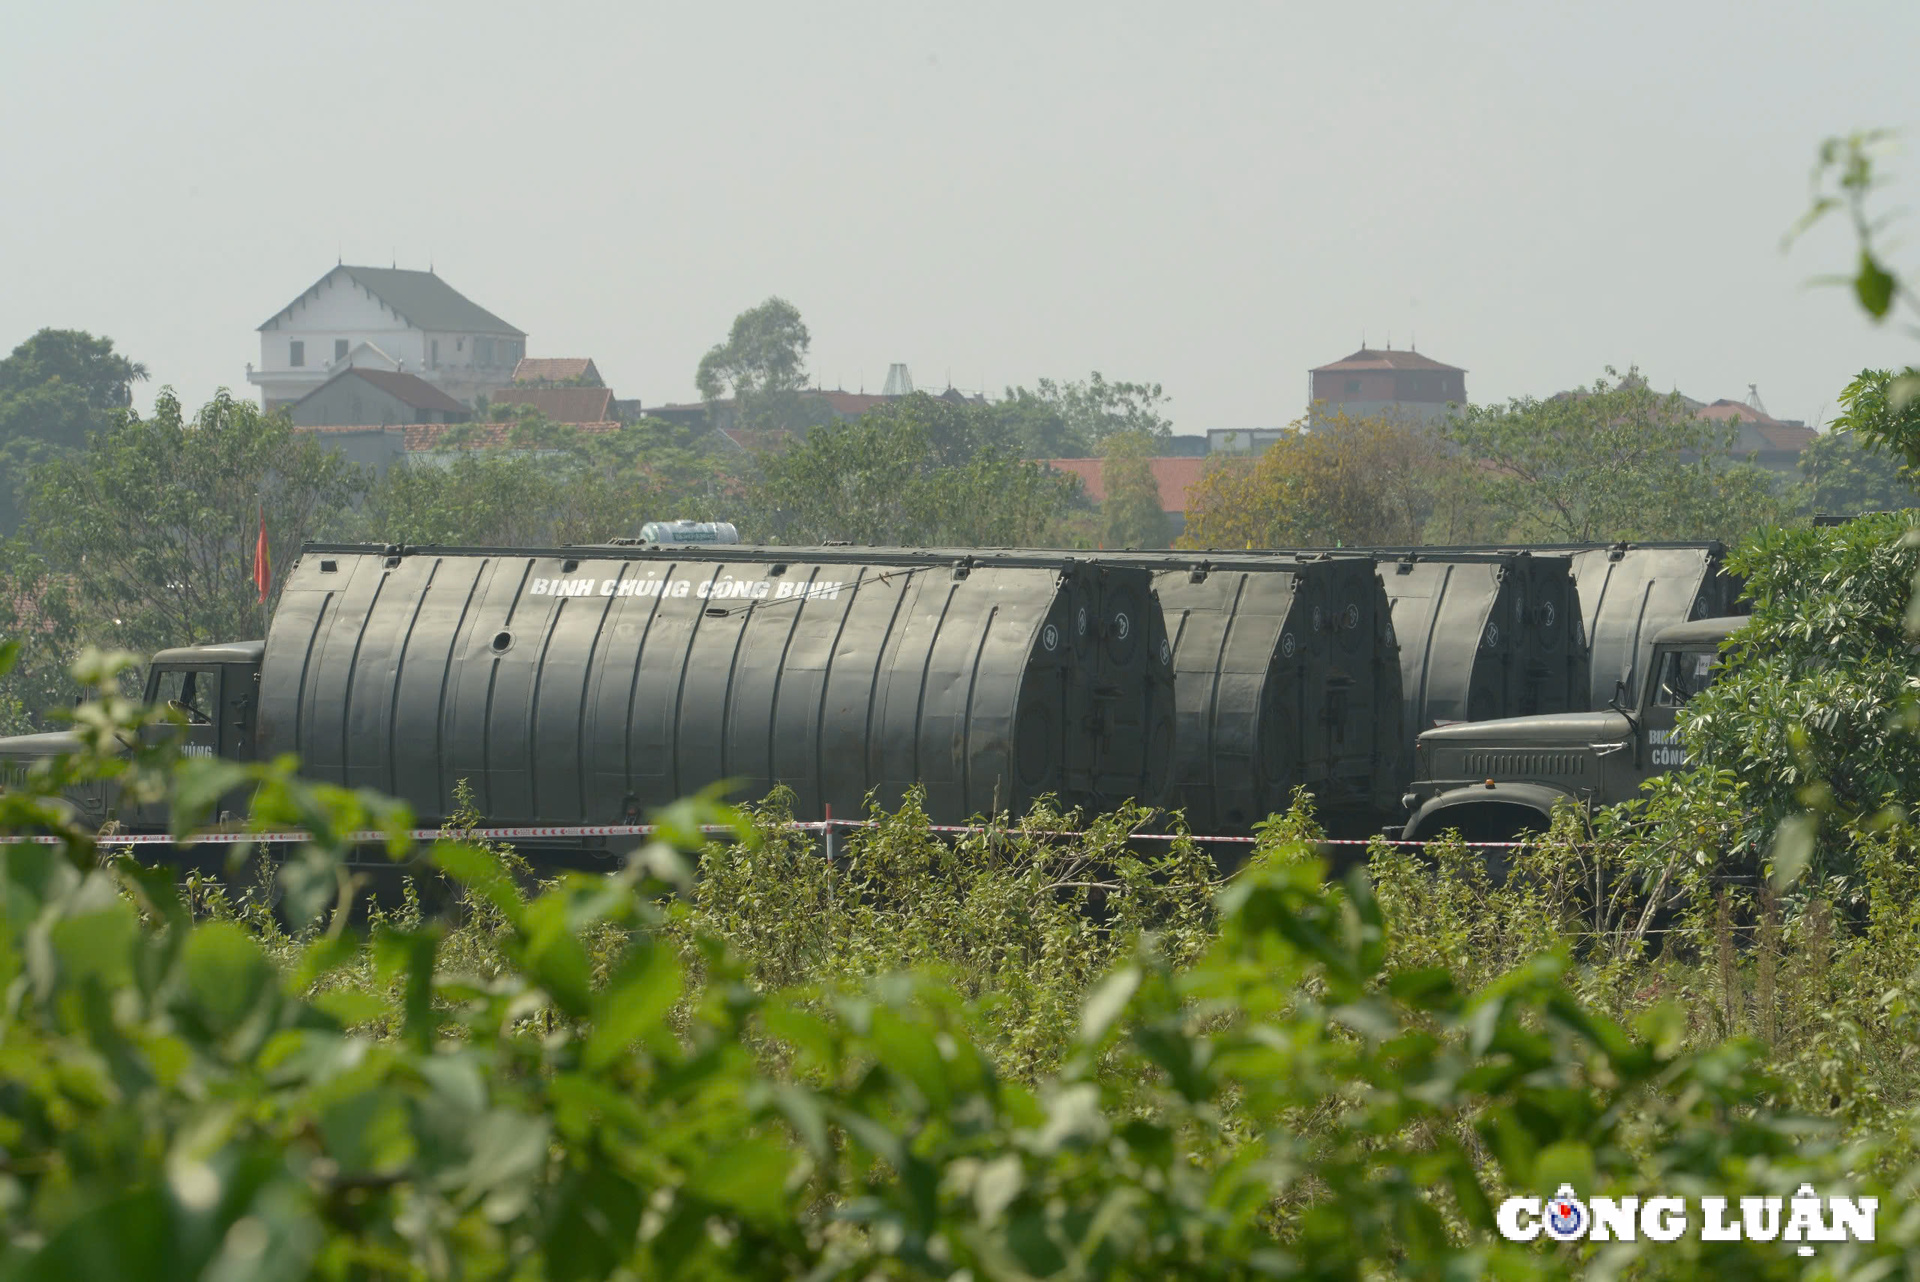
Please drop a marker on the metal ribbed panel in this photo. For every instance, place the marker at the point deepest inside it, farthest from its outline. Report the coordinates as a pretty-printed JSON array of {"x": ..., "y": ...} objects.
[
  {"x": 1485, "y": 634},
  {"x": 1285, "y": 677},
  {"x": 1629, "y": 592},
  {"x": 582, "y": 685}
]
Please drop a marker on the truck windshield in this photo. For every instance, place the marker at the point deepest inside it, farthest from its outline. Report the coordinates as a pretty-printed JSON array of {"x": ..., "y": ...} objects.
[
  {"x": 188, "y": 691},
  {"x": 1683, "y": 674}
]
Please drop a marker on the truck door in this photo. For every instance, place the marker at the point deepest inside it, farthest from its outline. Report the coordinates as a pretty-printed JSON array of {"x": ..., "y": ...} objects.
[
  {"x": 1677, "y": 676},
  {"x": 194, "y": 694}
]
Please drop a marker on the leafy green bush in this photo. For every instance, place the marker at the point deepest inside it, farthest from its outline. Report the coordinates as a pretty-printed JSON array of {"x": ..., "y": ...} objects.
[
  {"x": 604, "y": 1089},
  {"x": 1815, "y": 707}
]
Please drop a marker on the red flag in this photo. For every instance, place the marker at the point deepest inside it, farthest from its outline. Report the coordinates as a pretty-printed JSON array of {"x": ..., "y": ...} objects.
[{"x": 262, "y": 563}]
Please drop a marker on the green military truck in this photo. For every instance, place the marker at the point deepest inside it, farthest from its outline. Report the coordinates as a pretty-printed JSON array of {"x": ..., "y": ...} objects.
[{"x": 1492, "y": 780}]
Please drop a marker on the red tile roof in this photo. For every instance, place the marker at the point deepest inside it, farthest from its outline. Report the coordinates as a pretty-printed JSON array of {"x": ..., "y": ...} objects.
[
  {"x": 1174, "y": 476},
  {"x": 854, "y": 404},
  {"x": 555, "y": 369},
  {"x": 561, "y": 404},
  {"x": 1371, "y": 358}
]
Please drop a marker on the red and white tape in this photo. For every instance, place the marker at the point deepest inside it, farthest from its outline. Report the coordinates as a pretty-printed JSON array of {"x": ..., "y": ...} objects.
[{"x": 646, "y": 830}]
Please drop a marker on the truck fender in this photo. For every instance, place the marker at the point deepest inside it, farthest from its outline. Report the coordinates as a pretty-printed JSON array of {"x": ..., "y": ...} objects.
[{"x": 1517, "y": 801}]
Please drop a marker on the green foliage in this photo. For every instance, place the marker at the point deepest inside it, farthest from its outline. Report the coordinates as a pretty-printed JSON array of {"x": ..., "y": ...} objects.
[
  {"x": 1815, "y": 705},
  {"x": 56, "y": 389},
  {"x": 763, "y": 366},
  {"x": 1616, "y": 461},
  {"x": 1344, "y": 482},
  {"x": 39, "y": 615},
  {"x": 1132, "y": 514},
  {"x": 154, "y": 526},
  {"x": 549, "y": 484},
  {"x": 1848, "y": 473},
  {"x": 1885, "y": 412},
  {"x": 1095, "y": 1073},
  {"x": 921, "y": 471},
  {"x": 1072, "y": 420}
]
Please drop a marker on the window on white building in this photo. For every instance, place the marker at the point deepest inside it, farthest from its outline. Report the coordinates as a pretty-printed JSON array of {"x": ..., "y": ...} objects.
[
  {"x": 339, "y": 349},
  {"x": 434, "y": 357},
  {"x": 296, "y": 353}
]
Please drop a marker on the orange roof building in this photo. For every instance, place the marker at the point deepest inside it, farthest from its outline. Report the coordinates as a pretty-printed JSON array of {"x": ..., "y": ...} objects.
[{"x": 1376, "y": 381}]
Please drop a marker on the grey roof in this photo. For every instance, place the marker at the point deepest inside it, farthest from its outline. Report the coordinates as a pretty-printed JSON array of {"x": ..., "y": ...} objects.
[
  {"x": 223, "y": 652},
  {"x": 405, "y": 388},
  {"x": 426, "y": 301}
]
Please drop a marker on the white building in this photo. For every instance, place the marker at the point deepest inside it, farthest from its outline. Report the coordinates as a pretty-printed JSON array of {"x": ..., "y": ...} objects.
[{"x": 385, "y": 318}]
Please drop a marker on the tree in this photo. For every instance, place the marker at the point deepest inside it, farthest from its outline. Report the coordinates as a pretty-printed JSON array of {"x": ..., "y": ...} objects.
[
  {"x": 549, "y": 483},
  {"x": 1132, "y": 514},
  {"x": 55, "y": 389},
  {"x": 1881, "y": 409},
  {"x": 1615, "y": 461},
  {"x": 917, "y": 472},
  {"x": 1848, "y": 473},
  {"x": 763, "y": 366},
  {"x": 1346, "y": 482},
  {"x": 1815, "y": 705},
  {"x": 155, "y": 524},
  {"x": 1070, "y": 420}
]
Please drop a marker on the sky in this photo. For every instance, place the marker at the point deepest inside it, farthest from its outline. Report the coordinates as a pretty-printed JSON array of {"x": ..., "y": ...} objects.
[{"x": 1212, "y": 197}]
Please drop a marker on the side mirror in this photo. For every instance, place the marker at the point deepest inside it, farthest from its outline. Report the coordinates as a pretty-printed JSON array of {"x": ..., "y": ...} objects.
[{"x": 1621, "y": 693}]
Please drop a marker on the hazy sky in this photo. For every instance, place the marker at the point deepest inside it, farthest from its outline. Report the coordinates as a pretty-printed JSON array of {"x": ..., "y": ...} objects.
[{"x": 1213, "y": 196}]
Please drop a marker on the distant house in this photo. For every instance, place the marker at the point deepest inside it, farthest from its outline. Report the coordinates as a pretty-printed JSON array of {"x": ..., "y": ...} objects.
[
  {"x": 561, "y": 404},
  {"x": 1373, "y": 382},
  {"x": 556, "y": 371},
  {"x": 375, "y": 397},
  {"x": 1772, "y": 443},
  {"x": 380, "y": 317},
  {"x": 1173, "y": 476}
]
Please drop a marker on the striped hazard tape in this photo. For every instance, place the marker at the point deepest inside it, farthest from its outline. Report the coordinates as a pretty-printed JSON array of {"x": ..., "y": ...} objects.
[{"x": 647, "y": 830}]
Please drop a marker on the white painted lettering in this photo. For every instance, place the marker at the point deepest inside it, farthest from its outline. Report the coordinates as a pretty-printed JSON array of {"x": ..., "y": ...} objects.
[
  {"x": 1761, "y": 1215},
  {"x": 1509, "y": 1219},
  {"x": 1714, "y": 1226},
  {"x": 1663, "y": 1219},
  {"x": 1613, "y": 1219}
]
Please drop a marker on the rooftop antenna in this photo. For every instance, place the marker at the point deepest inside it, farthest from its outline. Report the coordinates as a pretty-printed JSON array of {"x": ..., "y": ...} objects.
[
  {"x": 1753, "y": 399},
  {"x": 1413, "y": 341}
]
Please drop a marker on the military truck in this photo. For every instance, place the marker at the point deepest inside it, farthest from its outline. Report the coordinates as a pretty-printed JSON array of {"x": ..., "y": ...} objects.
[
  {"x": 1492, "y": 780},
  {"x": 583, "y": 686}
]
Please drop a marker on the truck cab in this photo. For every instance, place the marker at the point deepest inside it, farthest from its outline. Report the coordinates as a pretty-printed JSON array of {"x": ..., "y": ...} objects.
[
  {"x": 1491, "y": 780},
  {"x": 215, "y": 691}
]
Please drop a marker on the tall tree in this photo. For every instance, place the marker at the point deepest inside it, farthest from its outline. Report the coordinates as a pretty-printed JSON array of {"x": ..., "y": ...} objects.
[
  {"x": 763, "y": 366},
  {"x": 55, "y": 389},
  {"x": 155, "y": 524}
]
